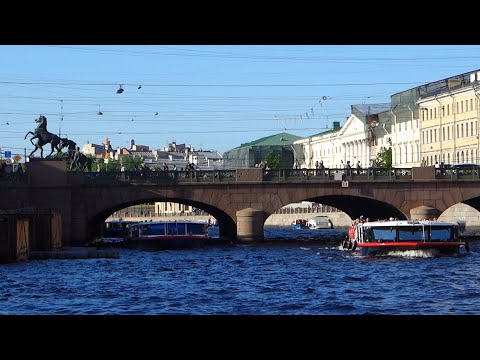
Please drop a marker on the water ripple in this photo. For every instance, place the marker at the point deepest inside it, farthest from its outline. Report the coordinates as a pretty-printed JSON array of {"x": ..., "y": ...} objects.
[{"x": 274, "y": 278}]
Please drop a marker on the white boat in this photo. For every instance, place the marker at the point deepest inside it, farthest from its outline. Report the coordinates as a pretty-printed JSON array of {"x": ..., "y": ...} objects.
[
  {"x": 320, "y": 222},
  {"x": 393, "y": 237}
]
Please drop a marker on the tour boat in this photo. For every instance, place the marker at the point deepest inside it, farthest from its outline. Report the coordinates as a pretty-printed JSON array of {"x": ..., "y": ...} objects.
[
  {"x": 299, "y": 224},
  {"x": 320, "y": 222},
  {"x": 394, "y": 236},
  {"x": 168, "y": 234}
]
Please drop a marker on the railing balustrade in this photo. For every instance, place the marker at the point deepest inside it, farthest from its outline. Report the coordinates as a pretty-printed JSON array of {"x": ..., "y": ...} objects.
[{"x": 281, "y": 175}]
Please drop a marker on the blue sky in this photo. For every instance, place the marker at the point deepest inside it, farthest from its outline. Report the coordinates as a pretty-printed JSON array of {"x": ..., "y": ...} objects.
[{"x": 213, "y": 97}]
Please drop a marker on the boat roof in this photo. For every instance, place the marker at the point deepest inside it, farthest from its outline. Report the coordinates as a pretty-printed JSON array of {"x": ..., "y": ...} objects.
[
  {"x": 171, "y": 222},
  {"x": 406, "y": 223},
  {"x": 120, "y": 221}
]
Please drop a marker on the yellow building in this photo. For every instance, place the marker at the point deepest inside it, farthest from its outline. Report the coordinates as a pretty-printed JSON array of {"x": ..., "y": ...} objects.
[{"x": 449, "y": 115}]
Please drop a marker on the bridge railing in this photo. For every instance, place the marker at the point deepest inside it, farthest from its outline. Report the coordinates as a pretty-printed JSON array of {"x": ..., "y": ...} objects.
[
  {"x": 212, "y": 176},
  {"x": 463, "y": 173},
  {"x": 162, "y": 177},
  {"x": 338, "y": 174}
]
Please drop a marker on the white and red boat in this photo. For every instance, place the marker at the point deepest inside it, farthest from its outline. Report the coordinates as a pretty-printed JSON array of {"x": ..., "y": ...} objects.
[
  {"x": 168, "y": 234},
  {"x": 394, "y": 236}
]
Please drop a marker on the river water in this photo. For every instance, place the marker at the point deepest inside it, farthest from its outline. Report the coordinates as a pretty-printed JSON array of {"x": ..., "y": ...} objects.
[{"x": 292, "y": 273}]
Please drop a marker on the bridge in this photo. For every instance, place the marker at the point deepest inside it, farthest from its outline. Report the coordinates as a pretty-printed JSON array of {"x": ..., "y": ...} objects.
[{"x": 241, "y": 200}]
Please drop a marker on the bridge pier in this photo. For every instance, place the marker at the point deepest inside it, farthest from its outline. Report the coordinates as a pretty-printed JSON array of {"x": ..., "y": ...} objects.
[
  {"x": 424, "y": 212},
  {"x": 250, "y": 225}
]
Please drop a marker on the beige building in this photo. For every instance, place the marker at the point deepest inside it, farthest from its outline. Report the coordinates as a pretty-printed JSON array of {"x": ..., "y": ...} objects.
[{"x": 449, "y": 120}]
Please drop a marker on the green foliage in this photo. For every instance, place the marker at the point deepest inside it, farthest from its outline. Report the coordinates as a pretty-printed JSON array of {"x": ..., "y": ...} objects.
[
  {"x": 273, "y": 160},
  {"x": 130, "y": 161},
  {"x": 384, "y": 158}
]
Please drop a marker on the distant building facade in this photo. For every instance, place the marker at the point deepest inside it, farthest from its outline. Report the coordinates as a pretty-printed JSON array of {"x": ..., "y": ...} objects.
[
  {"x": 249, "y": 154},
  {"x": 365, "y": 132},
  {"x": 449, "y": 117}
]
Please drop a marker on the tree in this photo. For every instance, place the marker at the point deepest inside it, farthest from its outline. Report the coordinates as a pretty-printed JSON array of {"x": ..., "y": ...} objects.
[
  {"x": 384, "y": 156},
  {"x": 273, "y": 160},
  {"x": 131, "y": 161}
]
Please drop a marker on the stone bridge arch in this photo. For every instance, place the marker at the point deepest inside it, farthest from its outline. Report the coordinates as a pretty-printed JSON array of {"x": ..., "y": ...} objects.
[{"x": 98, "y": 214}]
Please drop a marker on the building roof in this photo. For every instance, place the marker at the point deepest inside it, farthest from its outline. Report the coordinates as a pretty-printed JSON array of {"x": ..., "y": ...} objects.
[
  {"x": 336, "y": 127},
  {"x": 274, "y": 140},
  {"x": 209, "y": 154},
  {"x": 143, "y": 154},
  {"x": 371, "y": 109},
  {"x": 438, "y": 86}
]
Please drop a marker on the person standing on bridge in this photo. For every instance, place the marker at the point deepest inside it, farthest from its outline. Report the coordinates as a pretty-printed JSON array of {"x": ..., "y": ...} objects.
[
  {"x": 76, "y": 157},
  {"x": 296, "y": 165}
]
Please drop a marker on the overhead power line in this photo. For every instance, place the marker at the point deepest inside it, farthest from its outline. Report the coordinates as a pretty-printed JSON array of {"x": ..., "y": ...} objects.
[{"x": 211, "y": 85}]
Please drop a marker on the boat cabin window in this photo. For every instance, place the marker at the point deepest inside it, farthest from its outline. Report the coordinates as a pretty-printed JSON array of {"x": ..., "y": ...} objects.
[
  {"x": 154, "y": 229},
  {"x": 172, "y": 229},
  {"x": 441, "y": 233},
  {"x": 195, "y": 228},
  {"x": 384, "y": 233},
  {"x": 411, "y": 233}
]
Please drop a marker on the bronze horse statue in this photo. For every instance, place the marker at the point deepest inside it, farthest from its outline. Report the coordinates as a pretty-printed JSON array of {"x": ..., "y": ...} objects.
[
  {"x": 70, "y": 144},
  {"x": 43, "y": 137}
]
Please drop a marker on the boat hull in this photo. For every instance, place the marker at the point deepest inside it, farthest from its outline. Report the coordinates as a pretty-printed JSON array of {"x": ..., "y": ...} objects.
[
  {"x": 444, "y": 248},
  {"x": 168, "y": 242},
  {"x": 300, "y": 227}
]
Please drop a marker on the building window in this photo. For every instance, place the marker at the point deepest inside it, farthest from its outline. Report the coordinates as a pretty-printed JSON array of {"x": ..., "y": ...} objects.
[
  {"x": 423, "y": 137},
  {"x": 466, "y": 129},
  {"x": 448, "y": 109},
  {"x": 448, "y": 132},
  {"x": 435, "y": 113},
  {"x": 458, "y": 107},
  {"x": 471, "y": 128},
  {"x": 458, "y": 132},
  {"x": 443, "y": 110},
  {"x": 443, "y": 133},
  {"x": 431, "y": 138},
  {"x": 461, "y": 127},
  {"x": 461, "y": 105},
  {"x": 466, "y": 105},
  {"x": 423, "y": 115},
  {"x": 435, "y": 135},
  {"x": 471, "y": 104}
]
